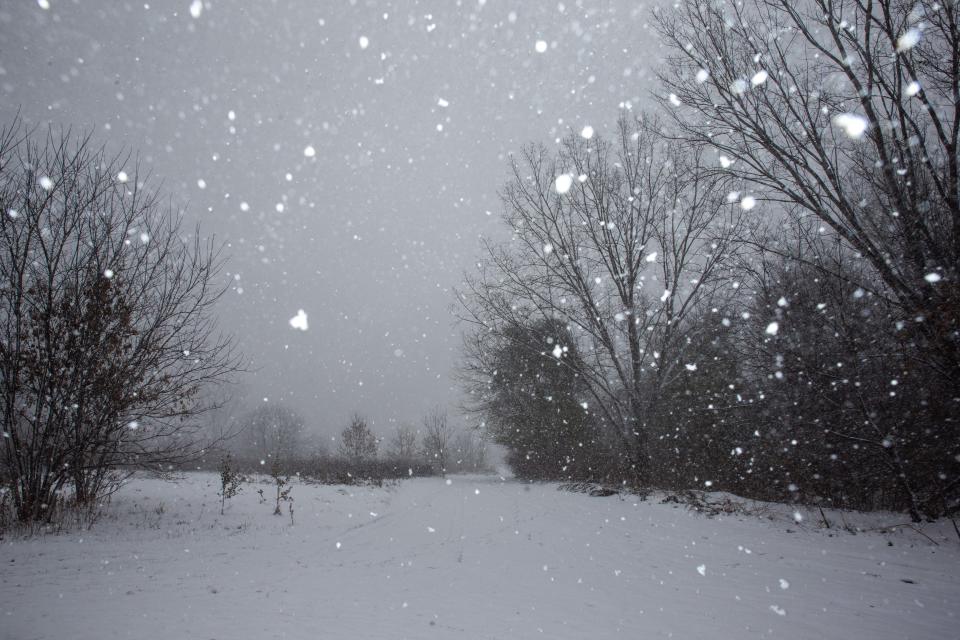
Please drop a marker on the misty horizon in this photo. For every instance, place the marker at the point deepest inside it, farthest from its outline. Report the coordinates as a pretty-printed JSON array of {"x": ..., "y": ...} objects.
[{"x": 350, "y": 163}]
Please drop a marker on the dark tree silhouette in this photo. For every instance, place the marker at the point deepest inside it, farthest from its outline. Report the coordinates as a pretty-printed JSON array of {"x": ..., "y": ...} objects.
[
  {"x": 623, "y": 241},
  {"x": 357, "y": 442},
  {"x": 107, "y": 337}
]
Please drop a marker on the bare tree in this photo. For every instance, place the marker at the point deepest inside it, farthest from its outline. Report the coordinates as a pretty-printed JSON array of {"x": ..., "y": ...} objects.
[
  {"x": 847, "y": 111},
  {"x": 403, "y": 444},
  {"x": 272, "y": 431},
  {"x": 357, "y": 442},
  {"x": 623, "y": 242},
  {"x": 107, "y": 333},
  {"x": 316, "y": 445},
  {"x": 222, "y": 422},
  {"x": 470, "y": 451},
  {"x": 437, "y": 436}
]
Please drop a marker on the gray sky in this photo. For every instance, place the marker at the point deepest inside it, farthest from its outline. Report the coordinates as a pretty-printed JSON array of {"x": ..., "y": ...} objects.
[{"x": 411, "y": 109}]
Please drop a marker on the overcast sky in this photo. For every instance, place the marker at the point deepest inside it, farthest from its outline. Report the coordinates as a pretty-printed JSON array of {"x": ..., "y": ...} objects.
[{"x": 409, "y": 110}]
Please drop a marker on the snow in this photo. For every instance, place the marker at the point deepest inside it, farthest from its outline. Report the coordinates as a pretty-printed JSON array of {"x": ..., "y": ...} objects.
[
  {"x": 853, "y": 125},
  {"x": 541, "y": 46},
  {"x": 196, "y": 8},
  {"x": 738, "y": 86},
  {"x": 163, "y": 563},
  {"x": 563, "y": 183},
  {"x": 908, "y": 40},
  {"x": 299, "y": 321}
]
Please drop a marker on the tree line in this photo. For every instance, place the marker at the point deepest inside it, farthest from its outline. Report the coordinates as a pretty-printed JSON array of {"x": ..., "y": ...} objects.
[
  {"x": 752, "y": 287},
  {"x": 276, "y": 433},
  {"x": 111, "y": 359}
]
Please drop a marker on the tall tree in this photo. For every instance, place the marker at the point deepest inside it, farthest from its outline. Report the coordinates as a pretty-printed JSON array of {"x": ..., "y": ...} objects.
[
  {"x": 847, "y": 111},
  {"x": 625, "y": 242}
]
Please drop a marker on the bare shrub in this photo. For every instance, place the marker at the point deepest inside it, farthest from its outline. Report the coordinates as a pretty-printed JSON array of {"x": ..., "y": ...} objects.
[{"x": 106, "y": 321}]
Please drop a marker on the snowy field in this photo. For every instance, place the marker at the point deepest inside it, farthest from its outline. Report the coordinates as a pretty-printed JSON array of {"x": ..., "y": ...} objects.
[{"x": 476, "y": 558}]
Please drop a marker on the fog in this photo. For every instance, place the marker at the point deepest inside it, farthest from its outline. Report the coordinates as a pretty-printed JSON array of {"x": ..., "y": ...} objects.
[{"x": 411, "y": 111}]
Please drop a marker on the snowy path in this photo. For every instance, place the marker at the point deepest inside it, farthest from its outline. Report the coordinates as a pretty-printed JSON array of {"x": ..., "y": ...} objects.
[{"x": 478, "y": 558}]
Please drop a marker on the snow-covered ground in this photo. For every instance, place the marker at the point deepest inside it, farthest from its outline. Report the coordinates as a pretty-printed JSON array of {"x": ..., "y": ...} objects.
[{"x": 477, "y": 557}]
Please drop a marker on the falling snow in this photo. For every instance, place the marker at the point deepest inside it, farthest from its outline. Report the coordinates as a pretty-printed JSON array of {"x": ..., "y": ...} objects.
[
  {"x": 299, "y": 321},
  {"x": 563, "y": 183},
  {"x": 852, "y": 124},
  {"x": 369, "y": 162}
]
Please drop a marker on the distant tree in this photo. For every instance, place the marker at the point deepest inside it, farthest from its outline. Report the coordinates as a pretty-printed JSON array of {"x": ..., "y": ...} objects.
[
  {"x": 357, "y": 442},
  {"x": 223, "y": 422},
  {"x": 272, "y": 431},
  {"x": 437, "y": 436},
  {"x": 403, "y": 443},
  {"x": 469, "y": 452},
  {"x": 315, "y": 445},
  {"x": 106, "y": 322}
]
